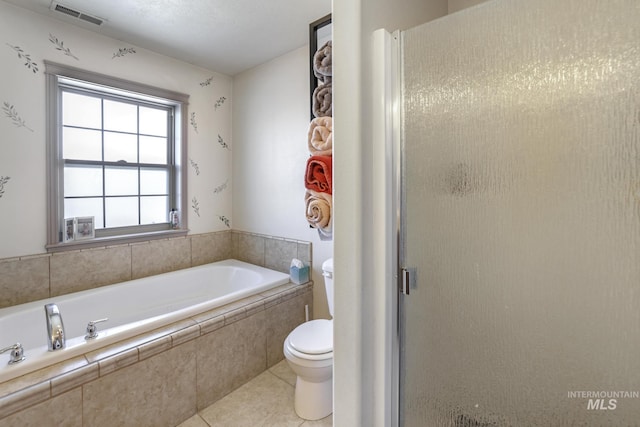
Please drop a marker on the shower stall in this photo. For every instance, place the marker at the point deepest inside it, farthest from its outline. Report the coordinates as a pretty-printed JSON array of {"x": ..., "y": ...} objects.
[{"x": 519, "y": 263}]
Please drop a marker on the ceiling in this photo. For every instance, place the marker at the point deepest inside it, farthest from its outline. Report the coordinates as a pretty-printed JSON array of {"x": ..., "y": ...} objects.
[{"x": 227, "y": 36}]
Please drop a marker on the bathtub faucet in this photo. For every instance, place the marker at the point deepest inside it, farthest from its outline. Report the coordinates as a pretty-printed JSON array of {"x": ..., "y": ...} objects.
[{"x": 55, "y": 327}]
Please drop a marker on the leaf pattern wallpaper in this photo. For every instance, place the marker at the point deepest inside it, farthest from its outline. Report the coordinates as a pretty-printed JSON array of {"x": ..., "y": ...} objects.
[
  {"x": 23, "y": 127},
  {"x": 196, "y": 207}
]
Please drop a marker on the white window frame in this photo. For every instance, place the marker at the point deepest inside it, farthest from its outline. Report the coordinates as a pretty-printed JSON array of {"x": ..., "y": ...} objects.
[{"x": 58, "y": 75}]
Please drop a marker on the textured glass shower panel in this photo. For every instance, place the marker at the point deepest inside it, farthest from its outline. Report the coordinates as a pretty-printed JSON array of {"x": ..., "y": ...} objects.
[{"x": 522, "y": 212}]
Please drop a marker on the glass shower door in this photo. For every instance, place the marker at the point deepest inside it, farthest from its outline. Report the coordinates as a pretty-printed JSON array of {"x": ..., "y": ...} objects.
[{"x": 521, "y": 216}]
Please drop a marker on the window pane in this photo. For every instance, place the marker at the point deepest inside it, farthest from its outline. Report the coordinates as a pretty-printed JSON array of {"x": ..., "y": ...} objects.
[
  {"x": 154, "y": 210},
  {"x": 120, "y": 181},
  {"x": 121, "y": 211},
  {"x": 81, "y": 110},
  {"x": 82, "y": 181},
  {"x": 120, "y": 146},
  {"x": 153, "y": 121},
  {"x": 120, "y": 116},
  {"x": 154, "y": 181},
  {"x": 85, "y": 207},
  {"x": 153, "y": 150},
  {"x": 81, "y": 144}
]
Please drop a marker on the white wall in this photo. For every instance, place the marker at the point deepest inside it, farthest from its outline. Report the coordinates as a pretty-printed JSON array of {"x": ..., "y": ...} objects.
[
  {"x": 456, "y": 5},
  {"x": 270, "y": 123},
  {"x": 362, "y": 381},
  {"x": 23, "y": 149}
]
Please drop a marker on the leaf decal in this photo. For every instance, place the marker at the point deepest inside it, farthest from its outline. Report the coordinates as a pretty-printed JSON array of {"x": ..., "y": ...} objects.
[
  {"x": 195, "y": 166},
  {"x": 193, "y": 122},
  {"x": 220, "y": 101},
  {"x": 10, "y": 112},
  {"x": 222, "y": 143},
  {"x": 22, "y": 55},
  {"x": 123, "y": 51},
  {"x": 206, "y": 82},
  {"x": 195, "y": 206},
  {"x": 3, "y": 181},
  {"x": 225, "y": 220},
  {"x": 60, "y": 46},
  {"x": 220, "y": 188}
]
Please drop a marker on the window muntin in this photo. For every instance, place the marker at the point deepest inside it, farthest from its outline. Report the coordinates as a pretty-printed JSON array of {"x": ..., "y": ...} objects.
[
  {"x": 107, "y": 158},
  {"x": 116, "y": 150}
]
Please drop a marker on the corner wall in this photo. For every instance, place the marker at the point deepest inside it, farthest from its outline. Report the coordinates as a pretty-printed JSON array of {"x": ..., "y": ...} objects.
[
  {"x": 26, "y": 40},
  {"x": 270, "y": 124}
]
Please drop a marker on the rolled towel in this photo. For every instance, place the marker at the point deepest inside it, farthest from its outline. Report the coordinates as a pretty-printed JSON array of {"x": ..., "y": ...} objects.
[
  {"x": 320, "y": 136},
  {"x": 318, "y": 210},
  {"x": 318, "y": 174},
  {"x": 322, "y": 79},
  {"x": 322, "y": 61},
  {"x": 322, "y": 101},
  {"x": 325, "y": 234}
]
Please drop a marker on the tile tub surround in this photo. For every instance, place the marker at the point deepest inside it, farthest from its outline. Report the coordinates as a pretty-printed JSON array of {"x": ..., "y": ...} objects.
[
  {"x": 31, "y": 278},
  {"x": 163, "y": 377}
]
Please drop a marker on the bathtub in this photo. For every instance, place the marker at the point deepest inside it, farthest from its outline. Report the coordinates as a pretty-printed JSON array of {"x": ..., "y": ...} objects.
[{"x": 132, "y": 308}]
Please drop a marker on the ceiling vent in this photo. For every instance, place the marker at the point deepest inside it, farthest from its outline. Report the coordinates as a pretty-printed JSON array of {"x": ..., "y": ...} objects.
[{"x": 57, "y": 7}]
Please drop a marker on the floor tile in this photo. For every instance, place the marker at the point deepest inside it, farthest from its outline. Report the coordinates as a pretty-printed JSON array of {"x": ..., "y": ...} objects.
[
  {"x": 325, "y": 422},
  {"x": 264, "y": 401},
  {"x": 284, "y": 372},
  {"x": 194, "y": 421}
]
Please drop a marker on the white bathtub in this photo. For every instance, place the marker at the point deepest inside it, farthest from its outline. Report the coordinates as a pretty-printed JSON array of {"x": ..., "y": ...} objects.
[{"x": 132, "y": 307}]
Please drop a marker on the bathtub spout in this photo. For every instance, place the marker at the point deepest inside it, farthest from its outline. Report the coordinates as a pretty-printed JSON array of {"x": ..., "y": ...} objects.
[{"x": 55, "y": 327}]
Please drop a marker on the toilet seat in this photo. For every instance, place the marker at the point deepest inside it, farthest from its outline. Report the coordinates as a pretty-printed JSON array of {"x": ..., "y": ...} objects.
[{"x": 312, "y": 338}]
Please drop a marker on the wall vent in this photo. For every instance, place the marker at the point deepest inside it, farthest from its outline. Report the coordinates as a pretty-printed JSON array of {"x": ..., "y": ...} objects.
[{"x": 57, "y": 7}]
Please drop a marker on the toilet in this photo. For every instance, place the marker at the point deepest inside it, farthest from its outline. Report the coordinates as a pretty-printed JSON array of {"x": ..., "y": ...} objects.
[{"x": 309, "y": 352}]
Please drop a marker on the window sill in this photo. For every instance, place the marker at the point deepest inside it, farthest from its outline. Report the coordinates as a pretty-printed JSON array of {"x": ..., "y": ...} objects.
[{"x": 101, "y": 242}]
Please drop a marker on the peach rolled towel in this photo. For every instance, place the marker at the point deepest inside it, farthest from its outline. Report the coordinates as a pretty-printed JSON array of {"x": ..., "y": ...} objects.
[
  {"x": 320, "y": 136},
  {"x": 322, "y": 101},
  {"x": 318, "y": 211}
]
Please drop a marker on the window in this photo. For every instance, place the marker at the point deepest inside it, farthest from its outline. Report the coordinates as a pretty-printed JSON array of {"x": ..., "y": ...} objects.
[{"x": 115, "y": 153}]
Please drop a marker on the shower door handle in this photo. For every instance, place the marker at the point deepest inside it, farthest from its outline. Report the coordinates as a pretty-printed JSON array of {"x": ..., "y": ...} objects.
[{"x": 406, "y": 280}]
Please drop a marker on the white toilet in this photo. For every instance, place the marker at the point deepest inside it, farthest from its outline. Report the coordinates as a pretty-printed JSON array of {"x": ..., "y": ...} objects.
[{"x": 309, "y": 352}]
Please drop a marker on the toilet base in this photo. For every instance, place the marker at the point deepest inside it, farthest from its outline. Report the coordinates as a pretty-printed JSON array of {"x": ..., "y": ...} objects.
[{"x": 313, "y": 400}]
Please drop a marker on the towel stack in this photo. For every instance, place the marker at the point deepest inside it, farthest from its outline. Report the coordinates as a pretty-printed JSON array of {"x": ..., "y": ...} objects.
[{"x": 318, "y": 175}]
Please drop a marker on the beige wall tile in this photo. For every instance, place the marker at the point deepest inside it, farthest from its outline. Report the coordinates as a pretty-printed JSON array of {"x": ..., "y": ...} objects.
[
  {"x": 73, "y": 379},
  {"x": 154, "y": 347},
  {"x": 279, "y": 253},
  {"x": 24, "y": 398},
  {"x": 248, "y": 247},
  {"x": 281, "y": 320},
  {"x": 24, "y": 280},
  {"x": 160, "y": 256},
  {"x": 61, "y": 411},
  {"x": 229, "y": 357},
  {"x": 118, "y": 361},
  {"x": 80, "y": 270},
  {"x": 212, "y": 247},
  {"x": 305, "y": 252},
  {"x": 156, "y": 392}
]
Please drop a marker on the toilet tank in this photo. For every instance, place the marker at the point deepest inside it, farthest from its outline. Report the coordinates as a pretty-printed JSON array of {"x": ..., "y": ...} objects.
[{"x": 327, "y": 272}]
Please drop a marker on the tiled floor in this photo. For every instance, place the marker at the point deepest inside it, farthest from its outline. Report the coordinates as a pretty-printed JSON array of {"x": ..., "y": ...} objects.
[{"x": 266, "y": 401}]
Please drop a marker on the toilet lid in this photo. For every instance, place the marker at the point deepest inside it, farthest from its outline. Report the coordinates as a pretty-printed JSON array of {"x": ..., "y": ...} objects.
[{"x": 314, "y": 337}]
